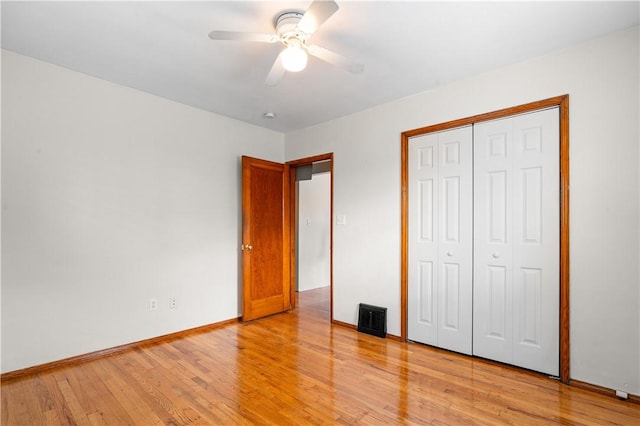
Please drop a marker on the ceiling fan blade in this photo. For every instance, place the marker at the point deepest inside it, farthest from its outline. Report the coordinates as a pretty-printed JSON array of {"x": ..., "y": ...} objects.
[
  {"x": 241, "y": 36},
  {"x": 317, "y": 13},
  {"x": 276, "y": 73},
  {"x": 335, "y": 59}
]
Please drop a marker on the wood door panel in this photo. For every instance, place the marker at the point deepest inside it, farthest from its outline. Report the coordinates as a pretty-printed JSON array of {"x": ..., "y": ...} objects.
[
  {"x": 266, "y": 232},
  {"x": 265, "y": 306},
  {"x": 265, "y": 235}
]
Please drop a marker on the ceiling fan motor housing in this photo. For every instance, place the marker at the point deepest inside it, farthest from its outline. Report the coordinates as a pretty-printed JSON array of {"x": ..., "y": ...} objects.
[{"x": 286, "y": 24}]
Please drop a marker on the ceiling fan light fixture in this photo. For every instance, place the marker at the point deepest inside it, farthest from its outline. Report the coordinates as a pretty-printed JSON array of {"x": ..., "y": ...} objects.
[
  {"x": 294, "y": 28},
  {"x": 294, "y": 58}
]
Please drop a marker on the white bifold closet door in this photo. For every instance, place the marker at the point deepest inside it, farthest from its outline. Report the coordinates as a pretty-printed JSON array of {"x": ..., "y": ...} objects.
[
  {"x": 516, "y": 241},
  {"x": 440, "y": 239}
]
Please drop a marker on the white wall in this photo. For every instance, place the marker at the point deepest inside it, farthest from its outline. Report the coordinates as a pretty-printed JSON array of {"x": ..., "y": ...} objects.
[
  {"x": 314, "y": 232},
  {"x": 601, "y": 78},
  {"x": 110, "y": 197}
]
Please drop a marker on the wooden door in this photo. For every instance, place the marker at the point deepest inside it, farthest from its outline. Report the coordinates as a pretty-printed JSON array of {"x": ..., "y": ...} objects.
[
  {"x": 440, "y": 275},
  {"x": 265, "y": 238},
  {"x": 517, "y": 240}
]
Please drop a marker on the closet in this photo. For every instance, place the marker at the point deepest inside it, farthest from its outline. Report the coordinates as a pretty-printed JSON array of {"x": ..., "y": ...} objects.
[{"x": 483, "y": 240}]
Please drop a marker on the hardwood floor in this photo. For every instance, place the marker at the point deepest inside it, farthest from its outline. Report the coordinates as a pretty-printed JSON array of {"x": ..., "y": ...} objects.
[{"x": 296, "y": 368}]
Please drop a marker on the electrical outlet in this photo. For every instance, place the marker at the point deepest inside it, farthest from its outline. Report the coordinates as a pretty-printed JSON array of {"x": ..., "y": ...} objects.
[
  {"x": 153, "y": 304},
  {"x": 622, "y": 394},
  {"x": 172, "y": 303}
]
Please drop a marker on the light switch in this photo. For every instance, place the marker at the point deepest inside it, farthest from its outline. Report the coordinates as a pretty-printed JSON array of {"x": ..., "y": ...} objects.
[{"x": 341, "y": 219}]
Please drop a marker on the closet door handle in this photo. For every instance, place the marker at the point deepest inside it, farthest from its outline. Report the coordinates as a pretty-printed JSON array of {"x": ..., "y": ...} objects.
[
  {"x": 495, "y": 255},
  {"x": 449, "y": 253}
]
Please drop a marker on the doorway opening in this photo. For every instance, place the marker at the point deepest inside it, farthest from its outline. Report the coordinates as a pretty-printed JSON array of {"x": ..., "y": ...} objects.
[{"x": 311, "y": 196}]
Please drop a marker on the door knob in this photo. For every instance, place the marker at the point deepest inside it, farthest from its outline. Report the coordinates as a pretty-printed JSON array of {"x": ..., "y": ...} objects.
[
  {"x": 247, "y": 247},
  {"x": 449, "y": 253},
  {"x": 496, "y": 255}
]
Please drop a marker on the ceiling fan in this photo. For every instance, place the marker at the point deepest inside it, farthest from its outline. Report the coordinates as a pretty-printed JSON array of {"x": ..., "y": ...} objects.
[{"x": 294, "y": 29}]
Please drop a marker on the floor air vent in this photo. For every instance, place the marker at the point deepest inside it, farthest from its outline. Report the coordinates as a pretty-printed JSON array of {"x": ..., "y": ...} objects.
[{"x": 372, "y": 320}]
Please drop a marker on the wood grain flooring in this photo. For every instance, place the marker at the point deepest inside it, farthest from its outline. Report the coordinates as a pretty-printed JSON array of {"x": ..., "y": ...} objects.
[{"x": 297, "y": 368}]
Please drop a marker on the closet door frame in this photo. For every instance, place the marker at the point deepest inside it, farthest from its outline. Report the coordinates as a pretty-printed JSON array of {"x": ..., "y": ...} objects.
[{"x": 562, "y": 102}]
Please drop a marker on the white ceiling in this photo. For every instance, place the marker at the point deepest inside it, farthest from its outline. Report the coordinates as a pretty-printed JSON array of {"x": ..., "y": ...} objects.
[{"x": 407, "y": 47}]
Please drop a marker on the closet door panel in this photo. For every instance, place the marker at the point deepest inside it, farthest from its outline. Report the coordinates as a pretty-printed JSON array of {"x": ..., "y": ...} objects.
[
  {"x": 536, "y": 228},
  {"x": 516, "y": 240},
  {"x": 455, "y": 245},
  {"x": 440, "y": 240},
  {"x": 493, "y": 283},
  {"x": 422, "y": 306}
]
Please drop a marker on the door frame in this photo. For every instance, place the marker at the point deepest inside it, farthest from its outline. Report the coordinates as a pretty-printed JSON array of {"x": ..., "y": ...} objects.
[
  {"x": 562, "y": 102},
  {"x": 293, "y": 233}
]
